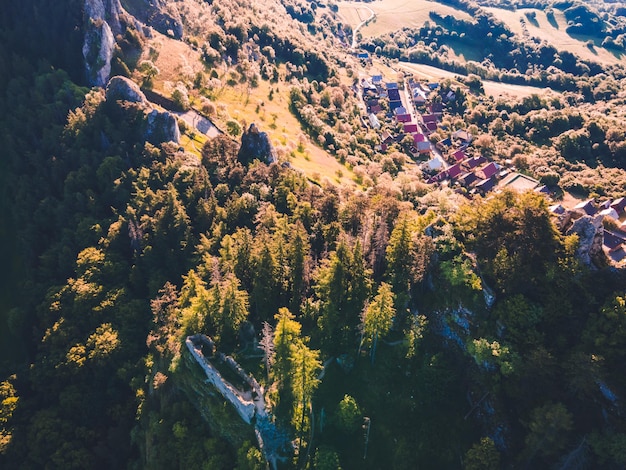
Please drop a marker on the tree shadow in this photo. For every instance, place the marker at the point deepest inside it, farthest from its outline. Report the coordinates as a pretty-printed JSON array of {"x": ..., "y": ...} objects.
[{"x": 552, "y": 21}]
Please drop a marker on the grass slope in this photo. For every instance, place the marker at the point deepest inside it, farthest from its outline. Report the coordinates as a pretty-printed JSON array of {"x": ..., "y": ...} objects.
[{"x": 178, "y": 61}]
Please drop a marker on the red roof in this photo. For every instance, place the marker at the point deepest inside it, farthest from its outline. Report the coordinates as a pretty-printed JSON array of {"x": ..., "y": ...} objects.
[
  {"x": 429, "y": 118},
  {"x": 475, "y": 161},
  {"x": 410, "y": 128},
  {"x": 419, "y": 138},
  {"x": 459, "y": 155},
  {"x": 490, "y": 169},
  {"x": 454, "y": 170}
]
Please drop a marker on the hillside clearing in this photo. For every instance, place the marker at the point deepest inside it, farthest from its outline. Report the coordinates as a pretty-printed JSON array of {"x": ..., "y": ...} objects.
[
  {"x": 553, "y": 32},
  {"x": 178, "y": 61}
]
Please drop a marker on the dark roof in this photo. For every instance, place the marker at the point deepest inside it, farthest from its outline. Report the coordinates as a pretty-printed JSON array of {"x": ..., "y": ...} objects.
[
  {"x": 588, "y": 207},
  {"x": 394, "y": 94},
  {"x": 475, "y": 161},
  {"x": 612, "y": 240},
  {"x": 410, "y": 127},
  {"x": 486, "y": 184},
  {"x": 619, "y": 204},
  {"x": 436, "y": 108},
  {"x": 400, "y": 110},
  {"x": 395, "y": 104},
  {"x": 391, "y": 86},
  {"x": 557, "y": 209},
  {"x": 454, "y": 170},
  {"x": 467, "y": 179},
  {"x": 429, "y": 118}
]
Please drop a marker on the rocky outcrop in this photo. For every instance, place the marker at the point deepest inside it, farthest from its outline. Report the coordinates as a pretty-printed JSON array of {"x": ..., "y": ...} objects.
[
  {"x": 590, "y": 235},
  {"x": 98, "y": 51},
  {"x": 158, "y": 126},
  {"x": 256, "y": 145},
  {"x": 124, "y": 89},
  {"x": 167, "y": 21},
  {"x": 102, "y": 23},
  {"x": 161, "y": 127},
  {"x": 160, "y": 15}
]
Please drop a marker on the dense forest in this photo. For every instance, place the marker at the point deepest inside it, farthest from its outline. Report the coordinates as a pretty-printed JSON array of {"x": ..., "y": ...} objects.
[{"x": 391, "y": 323}]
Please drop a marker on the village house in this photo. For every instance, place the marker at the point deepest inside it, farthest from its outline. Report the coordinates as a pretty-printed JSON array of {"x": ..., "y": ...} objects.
[
  {"x": 619, "y": 205},
  {"x": 410, "y": 128},
  {"x": 463, "y": 136},
  {"x": 588, "y": 207},
  {"x": 613, "y": 241},
  {"x": 610, "y": 212},
  {"x": 557, "y": 209},
  {"x": 489, "y": 170},
  {"x": 402, "y": 115}
]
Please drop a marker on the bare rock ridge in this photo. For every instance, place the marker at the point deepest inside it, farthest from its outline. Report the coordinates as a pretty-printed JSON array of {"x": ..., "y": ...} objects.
[
  {"x": 256, "y": 145},
  {"x": 160, "y": 15},
  {"x": 589, "y": 231},
  {"x": 158, "y": 126},
  {"x": 102, "y": 24}
]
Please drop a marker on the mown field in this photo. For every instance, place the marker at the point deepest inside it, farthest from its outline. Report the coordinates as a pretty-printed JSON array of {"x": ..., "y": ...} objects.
[
  {"x": 554, "y": 33},
  {"x": 392, "y": 15}
]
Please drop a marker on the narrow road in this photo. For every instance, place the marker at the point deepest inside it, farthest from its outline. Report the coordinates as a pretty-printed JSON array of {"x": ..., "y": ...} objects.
[{"x": 362, "y": 23}]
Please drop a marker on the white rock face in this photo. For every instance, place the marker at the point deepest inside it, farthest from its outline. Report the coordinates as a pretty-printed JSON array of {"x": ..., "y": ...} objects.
[
  {"x": 102, "y": 23},
  {"x": 124, "y": 89},
  {"x": 98, "y": 52}
]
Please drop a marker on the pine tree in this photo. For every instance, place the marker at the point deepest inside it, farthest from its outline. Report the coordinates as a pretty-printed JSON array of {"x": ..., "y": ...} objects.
[
  {"x": 305, "y": 365},
  {"x": 378, "y": 317}
]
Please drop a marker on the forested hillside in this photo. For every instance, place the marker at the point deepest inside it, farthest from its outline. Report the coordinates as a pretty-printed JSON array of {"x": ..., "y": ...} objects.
[{"x": 392, "y": 321}]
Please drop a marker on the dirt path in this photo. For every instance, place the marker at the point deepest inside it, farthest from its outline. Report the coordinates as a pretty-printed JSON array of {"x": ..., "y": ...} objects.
[{"x": 362, "y": 23}]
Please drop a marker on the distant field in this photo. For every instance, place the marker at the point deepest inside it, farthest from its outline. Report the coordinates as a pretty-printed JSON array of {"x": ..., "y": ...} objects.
[
  {"x": 497, "y": 89},
  {"x": 554, "y": 33},
  {"x": 392, "y": 15}
]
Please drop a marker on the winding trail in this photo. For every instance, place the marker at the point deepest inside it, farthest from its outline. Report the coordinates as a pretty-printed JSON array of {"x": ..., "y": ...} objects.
[{"x": 362, "y": 23}]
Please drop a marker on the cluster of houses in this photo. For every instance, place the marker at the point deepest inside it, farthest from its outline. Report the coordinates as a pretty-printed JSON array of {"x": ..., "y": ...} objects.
[
  {"x": 419, "y": 127},
  {"x": 450, "y": 161}
]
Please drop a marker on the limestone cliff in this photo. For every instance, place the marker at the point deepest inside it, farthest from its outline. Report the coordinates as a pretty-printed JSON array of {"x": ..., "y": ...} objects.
[
  {"x": 102, "y": 23},
  {"x": 256, "y": 145},
  {"x": 157, "y": 126},
  {"x": 590, "y": 235},
  {"x": 159, "y": 14}
]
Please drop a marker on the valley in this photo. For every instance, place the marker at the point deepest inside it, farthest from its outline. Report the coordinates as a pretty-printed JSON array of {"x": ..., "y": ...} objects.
[{"x": 401, "y": 224}]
